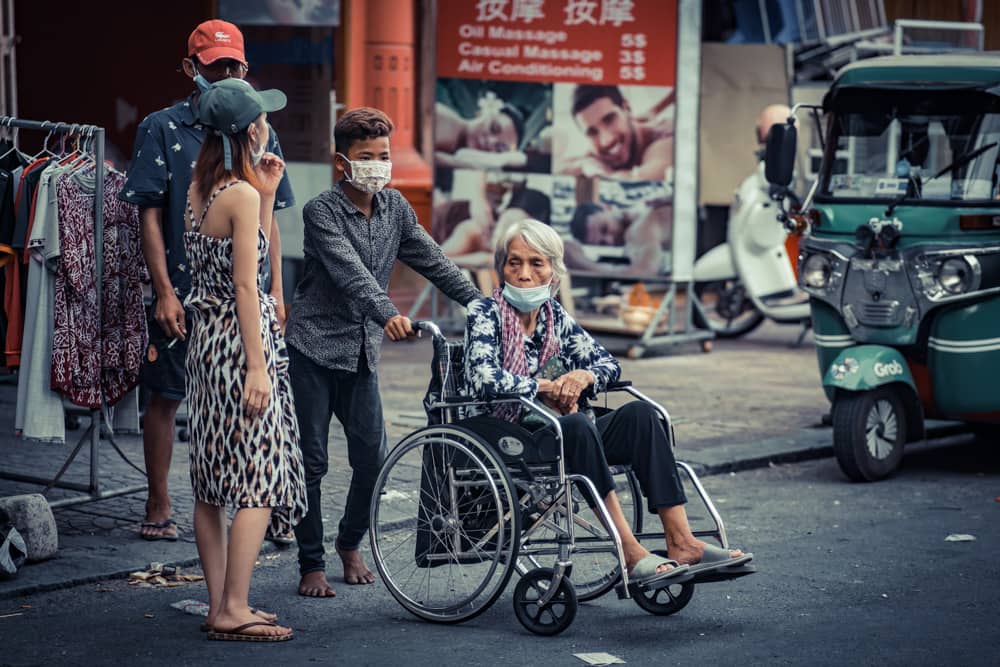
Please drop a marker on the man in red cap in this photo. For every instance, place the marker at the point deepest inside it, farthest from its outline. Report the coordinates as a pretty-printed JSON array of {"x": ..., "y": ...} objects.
[{"x": 166, "y": 147}]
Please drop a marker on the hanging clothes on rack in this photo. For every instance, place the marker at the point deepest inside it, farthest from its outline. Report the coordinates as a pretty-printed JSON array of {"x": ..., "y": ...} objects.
[
  {"x": 97, "y": 353},
  {"x": 71, "y": 349},
  {"x": 122, "y": 290},
  {"x": 12, "y": 163},
  {"x": 39, "y": 411},
  {"x": 16, "y": 275}
]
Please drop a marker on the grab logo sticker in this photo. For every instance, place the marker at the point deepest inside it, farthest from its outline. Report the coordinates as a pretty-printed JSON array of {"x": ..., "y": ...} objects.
[{"x": 889, "y": 369}]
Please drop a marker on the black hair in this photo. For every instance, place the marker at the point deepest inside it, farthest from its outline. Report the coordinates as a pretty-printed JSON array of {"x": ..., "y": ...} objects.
[
  {"x": 360, "y": 124},
  {"x": 578, "y": 224},
  {"x": 534, "y": 202},
  {"x": 584, "y": 95},
  {"x": 517, "y": 117}
]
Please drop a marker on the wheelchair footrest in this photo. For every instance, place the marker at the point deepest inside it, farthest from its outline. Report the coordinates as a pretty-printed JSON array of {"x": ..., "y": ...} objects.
[{"x": 723, "y": 574}]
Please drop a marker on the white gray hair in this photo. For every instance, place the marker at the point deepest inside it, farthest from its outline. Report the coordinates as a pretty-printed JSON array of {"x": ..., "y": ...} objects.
[{"x": 538, "y": 236}]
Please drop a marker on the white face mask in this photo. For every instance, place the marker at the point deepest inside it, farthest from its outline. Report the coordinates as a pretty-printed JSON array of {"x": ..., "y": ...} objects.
[
  {"x": 368, "y": 175},
  {"x": 526, "y": 299},
  {"x": 256, "y": 154}
]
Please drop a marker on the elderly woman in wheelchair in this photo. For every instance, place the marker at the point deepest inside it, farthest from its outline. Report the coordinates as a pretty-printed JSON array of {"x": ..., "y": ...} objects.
[
  {"x": 522, "y": 342},
  {"x": 497, "y": 483}
]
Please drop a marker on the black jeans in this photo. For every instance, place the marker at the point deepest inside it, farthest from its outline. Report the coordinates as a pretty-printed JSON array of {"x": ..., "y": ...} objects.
[
  {"x": 319, "y": 394},
  {"x": 632, "y": 434}
]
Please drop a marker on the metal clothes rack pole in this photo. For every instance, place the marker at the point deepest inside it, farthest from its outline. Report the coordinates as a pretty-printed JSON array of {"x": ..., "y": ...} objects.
[{"x": 98, "y": 424}]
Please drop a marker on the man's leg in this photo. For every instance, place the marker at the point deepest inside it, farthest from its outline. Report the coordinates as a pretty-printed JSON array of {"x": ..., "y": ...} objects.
[
  {"x": 158, "y": 449},
  {"x": 358, "y": 406},
  {"x": 311, "y": 389}
]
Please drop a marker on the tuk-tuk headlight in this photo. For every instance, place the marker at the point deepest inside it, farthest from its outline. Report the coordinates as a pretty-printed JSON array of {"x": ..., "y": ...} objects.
[
  {"x": 816, "y": 270},
  {"x": 955, "y": 275}
]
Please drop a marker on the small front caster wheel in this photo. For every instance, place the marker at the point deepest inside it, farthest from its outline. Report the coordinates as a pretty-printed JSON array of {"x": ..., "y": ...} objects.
[
  {"x": 555, "y": 616},
  {"x": 664, "y": 601}
]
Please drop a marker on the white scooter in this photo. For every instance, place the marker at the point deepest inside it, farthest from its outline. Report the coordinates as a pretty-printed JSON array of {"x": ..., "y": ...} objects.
[{"x": 750, "y": 277}]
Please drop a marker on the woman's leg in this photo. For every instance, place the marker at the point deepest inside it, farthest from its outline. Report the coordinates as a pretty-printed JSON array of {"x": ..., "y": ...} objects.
[
  {"x": 210, "y": 537},
  {"x": 633, "y": 550},
  {"x": 682, "y": 545},
  {"x": 245, "y": 537},
  {"x": 635, "y": 435},
  {"x": 585, "y": 456}
]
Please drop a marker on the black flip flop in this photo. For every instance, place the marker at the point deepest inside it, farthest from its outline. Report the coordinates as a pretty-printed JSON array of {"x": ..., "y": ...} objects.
[{"x": 159, "y": 525}]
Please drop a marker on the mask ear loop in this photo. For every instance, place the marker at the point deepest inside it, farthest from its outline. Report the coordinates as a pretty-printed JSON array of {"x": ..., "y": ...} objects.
[
  {"x": 349, "y": 179},
  {"x": 199, "y": 80}
]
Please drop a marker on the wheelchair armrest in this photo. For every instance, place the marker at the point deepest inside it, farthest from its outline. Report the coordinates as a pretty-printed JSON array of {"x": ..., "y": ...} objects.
[
  {"x": 504, "y": 397},
  {"x": 620, "y": 384},
  {"x": 458, "y": 398}
]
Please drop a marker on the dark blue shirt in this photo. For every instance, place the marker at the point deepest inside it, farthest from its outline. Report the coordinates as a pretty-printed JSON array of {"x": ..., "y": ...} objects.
[{"x": 166, "y": 147}]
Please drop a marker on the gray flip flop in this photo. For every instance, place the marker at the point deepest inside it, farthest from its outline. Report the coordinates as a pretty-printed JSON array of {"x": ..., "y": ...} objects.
[
  {"x": 644, "y": 572},
  {"x": 716, "y": 558}
]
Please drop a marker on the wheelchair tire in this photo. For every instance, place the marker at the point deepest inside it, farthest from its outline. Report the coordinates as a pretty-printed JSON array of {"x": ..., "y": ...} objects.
[
  {"x": 664, "y": 601},
  {"x": 555, "y": 616},
  {"x": 443, "y": 536}
]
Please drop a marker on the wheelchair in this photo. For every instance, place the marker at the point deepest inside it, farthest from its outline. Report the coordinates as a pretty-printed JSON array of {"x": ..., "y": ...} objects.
[{"x": 465, "y": 502}]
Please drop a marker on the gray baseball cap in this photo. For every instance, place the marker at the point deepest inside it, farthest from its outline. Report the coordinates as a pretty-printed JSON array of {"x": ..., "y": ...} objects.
[{"x": 231, "y": 105}]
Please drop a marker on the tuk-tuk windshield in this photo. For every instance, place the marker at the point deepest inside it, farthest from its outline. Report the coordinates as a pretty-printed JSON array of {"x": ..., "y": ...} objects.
[{"x": 924, "y": 146}]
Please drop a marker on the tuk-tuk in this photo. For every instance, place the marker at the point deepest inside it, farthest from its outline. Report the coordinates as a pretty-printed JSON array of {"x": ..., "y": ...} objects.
[{"x": 900, "y": 250}]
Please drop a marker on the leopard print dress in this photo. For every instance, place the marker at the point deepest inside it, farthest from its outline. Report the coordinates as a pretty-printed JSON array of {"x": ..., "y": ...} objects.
[{"x": 236, "y": 460}]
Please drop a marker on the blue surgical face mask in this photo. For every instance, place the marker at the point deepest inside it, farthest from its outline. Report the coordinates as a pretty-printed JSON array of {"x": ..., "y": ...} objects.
[{"x": 526, "y": 299}]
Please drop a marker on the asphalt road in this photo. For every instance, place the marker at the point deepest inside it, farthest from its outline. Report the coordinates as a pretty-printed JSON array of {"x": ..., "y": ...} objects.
[{"x": 848, "y": 574}]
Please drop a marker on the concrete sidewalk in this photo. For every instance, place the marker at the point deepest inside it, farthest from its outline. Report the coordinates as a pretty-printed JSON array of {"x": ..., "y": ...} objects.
[{"x": 746, "y": 404}]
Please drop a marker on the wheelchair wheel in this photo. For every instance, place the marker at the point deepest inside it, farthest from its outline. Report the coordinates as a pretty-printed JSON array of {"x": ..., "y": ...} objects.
[
  {"x": 554, "y": 617},
  {"x": 664, "y": 601},
  {"x": 595, "y": 564},
  {"x": 443, "y": 535}
]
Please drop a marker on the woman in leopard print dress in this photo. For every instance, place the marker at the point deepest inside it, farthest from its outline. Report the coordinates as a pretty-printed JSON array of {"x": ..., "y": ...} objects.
[{"x": 244, "y": 435}]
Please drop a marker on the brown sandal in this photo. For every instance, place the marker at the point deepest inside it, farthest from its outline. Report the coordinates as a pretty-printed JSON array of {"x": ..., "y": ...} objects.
[
  {"x": 239, "y": 634},
  {"x": 205, "y": 627}
]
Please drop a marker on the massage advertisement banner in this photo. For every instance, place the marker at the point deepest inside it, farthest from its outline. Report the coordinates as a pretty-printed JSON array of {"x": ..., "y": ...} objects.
[{"x": 563, "y": 111}]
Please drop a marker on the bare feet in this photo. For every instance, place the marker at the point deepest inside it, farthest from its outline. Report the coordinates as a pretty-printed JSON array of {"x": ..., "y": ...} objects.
[
  {"x": 691, "y": 553},
  {"x": 355, "y": 570},
  {"x": 315, "y": 585},
  {"x": 227, "y": 621}
]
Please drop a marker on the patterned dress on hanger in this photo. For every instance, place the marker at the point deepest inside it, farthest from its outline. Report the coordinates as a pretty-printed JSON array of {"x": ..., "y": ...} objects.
[{"x": 236, "y": 460}]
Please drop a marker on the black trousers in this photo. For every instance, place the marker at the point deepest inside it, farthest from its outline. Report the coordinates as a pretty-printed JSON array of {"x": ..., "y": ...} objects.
[
  {"x": 632, "y": 434},
  {"x": 321, "y": 393}
]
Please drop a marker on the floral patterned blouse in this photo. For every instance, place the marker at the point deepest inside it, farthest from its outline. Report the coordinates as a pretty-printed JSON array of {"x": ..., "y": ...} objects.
[{"x": 484, "y": 370}]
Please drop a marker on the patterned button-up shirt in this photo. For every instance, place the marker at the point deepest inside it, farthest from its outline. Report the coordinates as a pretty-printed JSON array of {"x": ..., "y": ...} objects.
[
  {"x": 341, "y": 306},
  {"x": 484, "y": 369},
  {"x": 166, "y": 147}
]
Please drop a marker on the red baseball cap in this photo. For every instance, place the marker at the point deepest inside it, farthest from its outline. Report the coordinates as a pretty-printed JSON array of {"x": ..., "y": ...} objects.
[{"x": 216, "y": 39}]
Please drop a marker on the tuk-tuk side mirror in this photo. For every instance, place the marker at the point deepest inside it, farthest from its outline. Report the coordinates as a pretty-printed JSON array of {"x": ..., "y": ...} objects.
[{"x": 779, "y": 156}]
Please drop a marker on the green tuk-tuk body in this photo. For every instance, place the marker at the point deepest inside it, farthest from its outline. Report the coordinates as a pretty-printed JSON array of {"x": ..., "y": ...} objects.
[{"x": 902, "y": 256}]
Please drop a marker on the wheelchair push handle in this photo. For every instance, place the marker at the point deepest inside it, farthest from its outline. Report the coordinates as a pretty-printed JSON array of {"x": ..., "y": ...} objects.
[{"x": 428, "y": 326}]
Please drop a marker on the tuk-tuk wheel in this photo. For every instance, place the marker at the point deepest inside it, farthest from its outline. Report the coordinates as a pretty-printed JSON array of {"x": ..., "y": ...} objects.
[{"x": 869, "y": 431}]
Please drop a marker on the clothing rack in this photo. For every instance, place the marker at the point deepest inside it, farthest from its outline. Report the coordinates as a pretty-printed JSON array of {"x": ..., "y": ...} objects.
[{"x": 100, "y": 423}]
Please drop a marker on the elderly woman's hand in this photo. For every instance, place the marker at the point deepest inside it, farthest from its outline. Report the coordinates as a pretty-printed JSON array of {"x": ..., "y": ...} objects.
[{"x": 565, "y": 391}]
